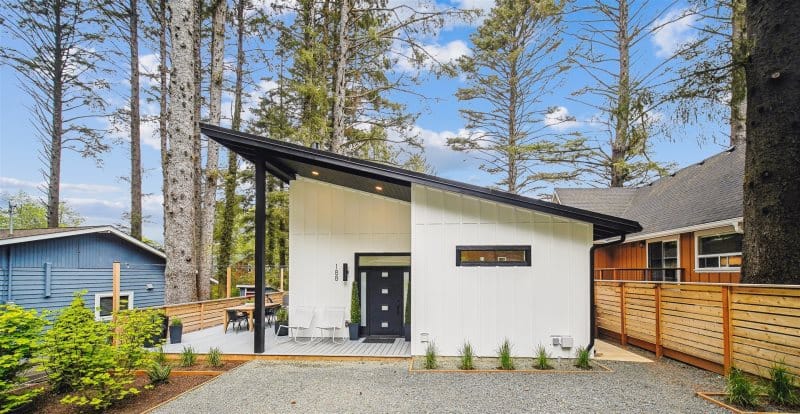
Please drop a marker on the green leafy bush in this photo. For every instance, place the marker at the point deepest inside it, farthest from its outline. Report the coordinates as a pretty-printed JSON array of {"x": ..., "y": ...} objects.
[
  {"x": 133, "y": 330},
  {"x": 282, "y": 316},
  {"x": 188, "y": 356},
  {"x": 215, "y": 357},
  {"x": 430, "y": 356},
  {"x": 741, "y": 391},
  {"x": 467, "y": 356},
  {"x": 79, "y": 359},
  {"x": 20, "y": 337},
  {"x": 159, "y": 373},
  {"x": 781, "y": 386},
  {"x": 542, "y": 358},
  {"x": 176, "y": 322},
  {"x": 355, "y": 305},
  {"x": 504, "y": 355},
  {"x": 582, "y": 358}
]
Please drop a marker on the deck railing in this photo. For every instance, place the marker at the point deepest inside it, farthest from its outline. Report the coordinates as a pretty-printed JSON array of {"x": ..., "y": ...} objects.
[
  {"x": 671, "y": 274},
  {"x": 205, "y": 314},
  {"x": 712, "y": 326}
]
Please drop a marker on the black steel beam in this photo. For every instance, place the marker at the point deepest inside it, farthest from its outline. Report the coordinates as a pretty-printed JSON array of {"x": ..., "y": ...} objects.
[{"x": 260, "y": 229}]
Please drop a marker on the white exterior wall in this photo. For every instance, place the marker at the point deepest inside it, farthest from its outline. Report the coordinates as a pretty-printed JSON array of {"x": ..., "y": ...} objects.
[
  {"x": 328, "y": 224},
  {"x": 486, "y": 304}
]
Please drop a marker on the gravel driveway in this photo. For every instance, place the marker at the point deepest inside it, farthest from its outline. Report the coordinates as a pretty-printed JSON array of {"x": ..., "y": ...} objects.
[{"x": 276, "y": 387}]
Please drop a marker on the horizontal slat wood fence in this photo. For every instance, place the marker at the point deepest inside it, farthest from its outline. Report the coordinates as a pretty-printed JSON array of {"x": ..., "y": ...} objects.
[
  {"x": 205, "y": 314},
  {"x": 712, "y": 326}
]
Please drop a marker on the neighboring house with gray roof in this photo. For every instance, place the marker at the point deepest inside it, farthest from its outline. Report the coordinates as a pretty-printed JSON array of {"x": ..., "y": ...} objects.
[{"x": 691, "y": 222}]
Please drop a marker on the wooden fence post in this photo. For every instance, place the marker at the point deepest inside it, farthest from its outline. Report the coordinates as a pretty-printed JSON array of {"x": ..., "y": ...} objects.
[
  {"x": 623, "y": 338},
  {"x": 228, "y": 282},
  {"x": 202, "y": 314},
  {"x": 659, "y": 348},
  {"x": 115, "y": 276},
  {"x": 726, "y": 329}
]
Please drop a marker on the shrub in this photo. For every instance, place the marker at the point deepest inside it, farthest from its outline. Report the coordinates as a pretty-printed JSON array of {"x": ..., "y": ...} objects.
[
  {"x": 582, "y": 358},
  {"x": 542, "y": 359},
  {"x": 467, "y": 356},
  {"x": 80, "y": 360},
  {"x": 430, "y": 356},
  {"x": 781, "y": 387},
  {"x": 159, "y": 373},
  {"x": 282, "y": 316},
  {"x": 20, "y": 337},
  {"x": 176, "y": 322},
  {"x": 355, "y": 305},
  {"x": 741, "y": 391},
  {"x": 504, "y": 355},
  {"x": 133, "y": 330},
  {"x": 215, "y": 357},
  {"x": 188, "y": 357}
]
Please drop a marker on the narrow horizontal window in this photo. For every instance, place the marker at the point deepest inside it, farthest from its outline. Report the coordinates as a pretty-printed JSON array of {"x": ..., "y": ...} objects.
[
  {"x": 721, "y": 251},
  {"x": 493, "y": 255}
]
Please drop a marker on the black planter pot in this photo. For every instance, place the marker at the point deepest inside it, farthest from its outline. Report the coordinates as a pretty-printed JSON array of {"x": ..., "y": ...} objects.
[
  {"x": 353, "y": 331},
  {"x": 407, "y": 332},
  {"x": 282, "y": 332},
  {"x": 175, "y": 333}
]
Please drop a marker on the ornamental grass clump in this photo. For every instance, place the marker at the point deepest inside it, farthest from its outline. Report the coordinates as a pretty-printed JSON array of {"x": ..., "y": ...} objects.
[
  {"x": 159, "y": 373},
  {"x": 430, "y": 356},
  {"x": 188, "y": 356},
  {"x": 214, "y": 357},
  {"x": 467, "y": 356},
  {"x": 542, "y": 359},
  {"x": 582, "y": 358},
  {"x": 782, "y": 389},
  {"x": 20, "y": 338},
  {"x": 741, "y": 391},
  {"x": 504, "y": 355}
]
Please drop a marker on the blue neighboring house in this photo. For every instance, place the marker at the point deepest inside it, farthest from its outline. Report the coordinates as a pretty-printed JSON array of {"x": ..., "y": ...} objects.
[{"x": 42, "y": 268}]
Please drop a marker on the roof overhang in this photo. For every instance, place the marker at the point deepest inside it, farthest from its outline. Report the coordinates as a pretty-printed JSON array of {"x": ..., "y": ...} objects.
[
  {"x": 78, "y": 232},
  {"x": 735, "y": 222},
  {"x": 287, "y": 161}
]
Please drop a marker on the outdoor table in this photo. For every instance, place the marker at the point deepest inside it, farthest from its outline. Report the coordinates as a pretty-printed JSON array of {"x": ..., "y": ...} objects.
[{"x": 249, "y": 309}]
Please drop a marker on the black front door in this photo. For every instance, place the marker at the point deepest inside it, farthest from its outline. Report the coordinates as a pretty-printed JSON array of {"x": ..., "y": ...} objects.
[{"x": 385, "y": 301}]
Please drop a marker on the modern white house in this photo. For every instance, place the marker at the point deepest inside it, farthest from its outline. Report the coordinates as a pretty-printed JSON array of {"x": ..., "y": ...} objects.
[{"x": 482, "y": 265}]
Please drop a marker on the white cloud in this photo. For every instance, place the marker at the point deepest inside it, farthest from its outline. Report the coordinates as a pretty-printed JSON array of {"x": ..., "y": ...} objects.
[
  {"x": 148, "y": 68},
  {"x": 271, "y": 7},
  {"x": 443, "y": 54},
  {"x": 82, "y": 188},
  {"x": 672, "y": 31},
  {"x": 559, "y": 119},
  {"x": 482, "y": 5}
]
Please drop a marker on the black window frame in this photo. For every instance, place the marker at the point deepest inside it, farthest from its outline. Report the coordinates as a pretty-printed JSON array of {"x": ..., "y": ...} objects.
[{"x": 525, "y": 248}]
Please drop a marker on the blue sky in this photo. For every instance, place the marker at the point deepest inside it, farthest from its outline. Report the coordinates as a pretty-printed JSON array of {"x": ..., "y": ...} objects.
[{"x": 100, "y": 194}]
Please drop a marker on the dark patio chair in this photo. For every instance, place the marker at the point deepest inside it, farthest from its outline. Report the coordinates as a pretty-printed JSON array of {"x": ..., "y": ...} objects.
[{"x": 236, "y": 318}]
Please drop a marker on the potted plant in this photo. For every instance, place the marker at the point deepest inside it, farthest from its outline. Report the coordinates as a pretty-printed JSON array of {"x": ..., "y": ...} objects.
[
  {"x": 407, "y": 314},
  {"x": 281, "y": 318},
  {"x": 175, "y": 330},
  {"x": 355, "y": 313}
]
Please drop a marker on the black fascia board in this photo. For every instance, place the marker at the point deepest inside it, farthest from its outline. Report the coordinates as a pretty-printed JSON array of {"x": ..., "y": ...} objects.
[{"x": 235, "y": 140}]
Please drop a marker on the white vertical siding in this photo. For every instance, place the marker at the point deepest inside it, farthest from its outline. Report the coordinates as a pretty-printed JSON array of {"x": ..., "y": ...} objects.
[
  {"x": 328, "y": 224},
  {"x": 486, "y": 304}
]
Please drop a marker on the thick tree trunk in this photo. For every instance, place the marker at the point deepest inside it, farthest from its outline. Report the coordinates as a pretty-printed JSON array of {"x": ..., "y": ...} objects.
[
  {"x": 620, "y": 141},
  {"x": 220, "y": 10},
  {"x": 738, "y": 81},
  {"x": 203, "y": 284},
  {"x": 179, "y": 222},
  {"x": 54, "y": 153},
  {"x": 772, "y": 165},
  {"x": 163, "y": 93},
  {"x": 136, "y": 150},
  {"x": 340, "y": 82}
]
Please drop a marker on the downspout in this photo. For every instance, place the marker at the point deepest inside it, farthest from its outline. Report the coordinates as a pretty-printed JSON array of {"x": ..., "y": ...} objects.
[
  {"x": 10, "y": 272},
  {"x": 592, "y": 310}
]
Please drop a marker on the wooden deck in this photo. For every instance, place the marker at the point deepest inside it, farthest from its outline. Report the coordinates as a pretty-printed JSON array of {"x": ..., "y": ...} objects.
[{"x": 241, "y": 343}]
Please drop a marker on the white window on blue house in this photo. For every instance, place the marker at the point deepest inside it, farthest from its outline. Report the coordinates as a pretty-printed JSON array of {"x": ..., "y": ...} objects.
[{"x": 103, "y": 303}]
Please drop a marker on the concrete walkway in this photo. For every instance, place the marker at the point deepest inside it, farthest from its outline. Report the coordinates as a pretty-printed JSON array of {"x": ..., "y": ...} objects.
[{"x": 605, "y": 351}]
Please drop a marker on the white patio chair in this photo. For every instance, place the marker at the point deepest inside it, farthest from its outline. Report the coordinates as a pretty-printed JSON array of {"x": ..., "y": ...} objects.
[
  {"x": 332, "y": 320},
  {"x": 300, "y": 318}
]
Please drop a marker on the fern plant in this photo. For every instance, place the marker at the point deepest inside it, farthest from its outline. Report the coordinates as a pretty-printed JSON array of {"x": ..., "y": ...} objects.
[
  {"x": 542, "y": 359},
  {"x": 430, "y": 356},
  {"x": 159, "y": 373},
  {"x": 466, "y": 356},
  {"x": 504, "y": 355}
]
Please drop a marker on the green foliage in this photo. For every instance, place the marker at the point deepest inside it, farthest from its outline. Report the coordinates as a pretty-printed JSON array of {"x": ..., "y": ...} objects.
[
  {"x": 215, "y": 357},
  {"x": 188, "y": 356},
  {"x": 430, "y": 356},
  {"x": 80, "y": 360},
  {"x": 133, "y": 330},
  {"x": 407, "y": 313},
  {"x": 20, "y": 338},
  {"x": 781, "y": 386},
  {"x": 542, "y": 358},
  {"x": 741, "y": 391},
  {"x": 159, "y": 373},
  {"x": 504, "y": 355},
  {"x": 176, "y": 322},
  {"x": 160, "y": 357},
  {"x": 355, "y": 304},
  {"x": 582, "y": 358},
  {"x": 29, "y": 213},
  {"x": 282, "y": 316},
  {"x": 466, "y": 356}
]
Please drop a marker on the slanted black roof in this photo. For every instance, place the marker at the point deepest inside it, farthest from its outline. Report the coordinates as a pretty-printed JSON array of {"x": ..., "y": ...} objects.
[
  {"x": 286, "y": 161},
  {"x": 705, "y": 192}
]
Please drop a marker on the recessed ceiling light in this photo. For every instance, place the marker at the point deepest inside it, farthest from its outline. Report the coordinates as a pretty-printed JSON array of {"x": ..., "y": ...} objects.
[
  {"x": 314, "y": 172},
  {"x": 378, "y": 188}
]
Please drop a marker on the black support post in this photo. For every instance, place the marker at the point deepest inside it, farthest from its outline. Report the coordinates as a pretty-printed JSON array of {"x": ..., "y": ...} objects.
[{"x": 260, "y": 229}]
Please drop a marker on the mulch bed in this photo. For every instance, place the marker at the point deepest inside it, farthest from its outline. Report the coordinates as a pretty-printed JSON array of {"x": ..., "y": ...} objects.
[
  {"x": 484, "y": 364},
  {"x": 49, "y": 402},
  {"x": 765, "y": 406}
]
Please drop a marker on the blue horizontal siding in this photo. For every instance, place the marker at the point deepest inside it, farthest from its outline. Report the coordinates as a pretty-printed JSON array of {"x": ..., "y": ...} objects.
[{"x": 87, "y": 251}]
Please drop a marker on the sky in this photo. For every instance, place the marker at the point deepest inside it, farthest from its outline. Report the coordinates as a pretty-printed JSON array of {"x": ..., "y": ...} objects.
[{"x": 100, "y": 192}]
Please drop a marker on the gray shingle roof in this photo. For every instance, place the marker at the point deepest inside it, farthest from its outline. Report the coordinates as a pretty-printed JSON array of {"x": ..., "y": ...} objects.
[{"x": 708, "y": 191}]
